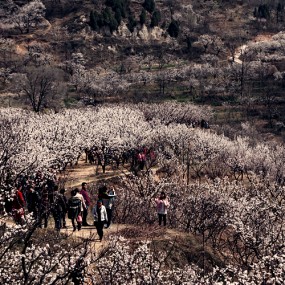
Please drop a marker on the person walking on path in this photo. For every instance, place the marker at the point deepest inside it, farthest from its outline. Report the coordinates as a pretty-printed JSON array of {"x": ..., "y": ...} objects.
[
  {"x": 74, "y": 209},
  {"x": 79, "y": 196},
  {"x": 162, "y": 204},
  {"x": 44, "y": 207},
  {"x": 33, "y": 202},
  {"x": 108, "y": 202},
  {"x": 63, "y": 221},
  {"x": 18, "y": 205},
  {"x": 100, "y": 218},
  {"x": 58, "y": 208},
  {"x": 86, "y": 198}
]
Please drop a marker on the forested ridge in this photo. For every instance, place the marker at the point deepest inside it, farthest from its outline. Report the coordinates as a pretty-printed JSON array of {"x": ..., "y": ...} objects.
[
  {"x": 177, "y": 97},
  {"x": 228, "y": 54}
]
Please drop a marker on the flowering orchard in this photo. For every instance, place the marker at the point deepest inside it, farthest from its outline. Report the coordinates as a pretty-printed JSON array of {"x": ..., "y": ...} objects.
[{"x": 228, "y": 193}]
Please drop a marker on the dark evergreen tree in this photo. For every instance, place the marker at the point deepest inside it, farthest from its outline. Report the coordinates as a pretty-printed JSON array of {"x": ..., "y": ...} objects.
[
  {"x": 113, "y": 25},
  {"x": 149, "y": 5},
  {"x": 132, "y": 23},
  {"x": 120, "y": 5},
  {"x": 189, "y": 40},
  {"x": 93, "y": 21},
  {"x": 118, "y": 16},
  {"x": 100, "y": 20},
  {"x": 106, "y": 14},
  {"x": 155, "y": 18},
  {"x": 173, "y": 29},
  {"x": 110, "y": 3},
  {"x": 279, "y": 12},
  {"x": 262, "y": 11},
  {"x": 143, "y": 17}
]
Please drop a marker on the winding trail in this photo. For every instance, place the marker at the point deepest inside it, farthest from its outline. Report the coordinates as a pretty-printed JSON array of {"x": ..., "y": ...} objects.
[
  {"x": 90, "y": 173},
  {"x": 242, "y": 49}
]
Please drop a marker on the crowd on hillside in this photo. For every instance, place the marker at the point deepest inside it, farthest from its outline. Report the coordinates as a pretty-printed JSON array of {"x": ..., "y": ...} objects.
[{"x": 41, "y": 197}]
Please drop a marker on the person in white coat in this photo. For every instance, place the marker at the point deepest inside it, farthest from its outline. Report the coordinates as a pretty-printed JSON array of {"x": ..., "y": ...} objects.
[
  {"x": 100, "y": 217},
  {"x": 80, "y": 197}
]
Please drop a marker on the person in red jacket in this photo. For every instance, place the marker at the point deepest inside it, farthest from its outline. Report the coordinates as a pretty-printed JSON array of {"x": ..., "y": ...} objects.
[{"x": 18, "y": 205}]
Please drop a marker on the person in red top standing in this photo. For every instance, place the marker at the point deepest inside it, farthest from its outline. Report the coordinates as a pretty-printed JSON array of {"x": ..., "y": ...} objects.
[
  {"x": 86, "y": 198},
  {"x": 18, "y": 205}
]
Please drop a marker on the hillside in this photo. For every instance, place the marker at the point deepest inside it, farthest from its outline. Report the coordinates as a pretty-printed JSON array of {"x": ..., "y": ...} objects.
[
  {"x": 91, "y": 52},
  {"x": 177, "y": 107}
]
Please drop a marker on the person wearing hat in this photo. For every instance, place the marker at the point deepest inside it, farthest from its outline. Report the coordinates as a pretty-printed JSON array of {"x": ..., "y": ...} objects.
[
  {"x": 108, "y": 201},
  {"x": 100, "y": 217}
]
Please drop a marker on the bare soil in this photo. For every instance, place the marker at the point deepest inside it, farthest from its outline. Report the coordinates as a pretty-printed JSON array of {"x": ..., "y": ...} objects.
[{"x": 90, "y": 173}]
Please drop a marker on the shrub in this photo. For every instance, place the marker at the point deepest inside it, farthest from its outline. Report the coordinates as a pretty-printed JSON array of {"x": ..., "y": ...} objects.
[
  {"x": 173, "y": 29},
  {"x": 155, "y": 19},
  {"x": 149, "y": 5}
]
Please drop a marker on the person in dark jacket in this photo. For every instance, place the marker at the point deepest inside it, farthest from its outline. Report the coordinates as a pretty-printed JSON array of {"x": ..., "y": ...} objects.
[
  {"x": 33, "y": 202},
  {"x": 74, "y": 209},
  {"x": 58, "y": 208},
  {"x": 63, "y": 221},
  {"x": 44, "y": 207}
]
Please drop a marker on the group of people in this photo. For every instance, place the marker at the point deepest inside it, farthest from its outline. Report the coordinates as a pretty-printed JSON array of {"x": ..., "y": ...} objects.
[
  {"x": 36, "y": 193},
  {"x": 79, "y": 203},
  {"x": 42, "y": 198},
  {"x": 102, "y": 212}
]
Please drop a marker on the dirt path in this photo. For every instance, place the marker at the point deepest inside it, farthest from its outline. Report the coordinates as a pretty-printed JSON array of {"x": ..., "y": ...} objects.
[
  {"x": 86, "y": 172},
  {"x": 91, "y": 233},
  {"x": 259, "y": 38}
]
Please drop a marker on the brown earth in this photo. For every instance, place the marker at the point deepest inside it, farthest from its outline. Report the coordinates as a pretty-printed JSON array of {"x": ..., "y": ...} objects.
[{"x": 90, "y": 173}]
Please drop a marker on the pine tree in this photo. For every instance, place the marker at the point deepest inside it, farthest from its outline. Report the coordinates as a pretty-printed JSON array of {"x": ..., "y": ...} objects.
[
  {"x": 155, "y": 18},
  {"x": 93, "y": 21},
  {"x": 149, "y": 5},
  {"x": 173, "y": 29},
  {"x": 143, "y": 17}
]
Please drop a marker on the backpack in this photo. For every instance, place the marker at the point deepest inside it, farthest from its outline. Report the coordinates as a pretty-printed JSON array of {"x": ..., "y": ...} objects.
[{"x": 74, "y": 206}]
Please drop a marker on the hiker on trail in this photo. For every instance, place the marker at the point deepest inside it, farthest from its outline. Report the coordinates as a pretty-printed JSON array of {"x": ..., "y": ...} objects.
[
  {"x": 33, "y": 202},
  {"x": 58, "y": 208},
  {"x": 102, "y": 193},
  {"x": 44, "y": 209},
  {"x": 141, "y": 157},
  {"x": 100, "y": 217},
  {"x": 162, "y": 203},
  {"x": 63, "y": 221},
  {"x": 108, "y": 201},
  {"x": 79, "y": 196},
  {"x": 18, "y": 205},
  {"x": 86, "y": 198},
  {"x": 74, "y": 209}
]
